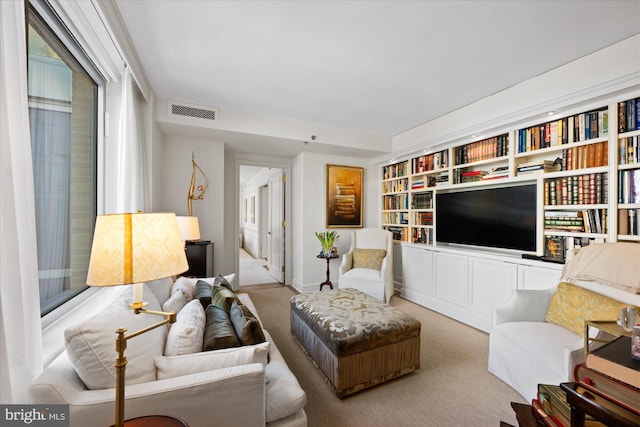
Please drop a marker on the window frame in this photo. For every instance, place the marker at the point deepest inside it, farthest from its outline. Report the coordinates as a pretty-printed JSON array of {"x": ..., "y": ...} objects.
[{"x": 55, "y": 23}]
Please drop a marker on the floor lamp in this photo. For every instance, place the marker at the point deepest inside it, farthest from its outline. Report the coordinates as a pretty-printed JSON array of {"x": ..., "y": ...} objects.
[{"x": 130, "y": 249}]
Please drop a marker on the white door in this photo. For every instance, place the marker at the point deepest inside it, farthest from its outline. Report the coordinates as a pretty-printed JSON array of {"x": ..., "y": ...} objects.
[
  {"x": 264, "y": 222},
  {"x": 275, "y": 234}
]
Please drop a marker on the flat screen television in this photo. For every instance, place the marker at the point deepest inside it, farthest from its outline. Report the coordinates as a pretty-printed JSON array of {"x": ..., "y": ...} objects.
[{"x": 501, "y": 217}]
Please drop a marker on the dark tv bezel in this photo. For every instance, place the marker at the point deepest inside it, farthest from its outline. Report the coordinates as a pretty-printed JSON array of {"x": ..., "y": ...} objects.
[{"x": 496, "y": 235}]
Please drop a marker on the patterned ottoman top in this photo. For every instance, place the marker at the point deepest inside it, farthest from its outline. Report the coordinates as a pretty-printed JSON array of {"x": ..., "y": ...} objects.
[{"x": 349, "y": 321}]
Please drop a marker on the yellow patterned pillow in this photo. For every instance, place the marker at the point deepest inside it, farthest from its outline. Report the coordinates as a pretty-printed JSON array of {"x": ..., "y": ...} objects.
[
  {"x": 368, "y": 258},
  {"x": 571, "y": 305}
]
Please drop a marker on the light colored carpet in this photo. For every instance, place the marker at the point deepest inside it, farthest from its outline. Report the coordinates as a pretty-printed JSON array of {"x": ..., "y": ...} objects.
[
  {"x": 452, "y": 387},
  {"x": 253, "y": 271}
]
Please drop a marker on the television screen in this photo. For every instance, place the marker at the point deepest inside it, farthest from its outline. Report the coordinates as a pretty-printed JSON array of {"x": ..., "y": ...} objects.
[{"x": 503, "y": 217}]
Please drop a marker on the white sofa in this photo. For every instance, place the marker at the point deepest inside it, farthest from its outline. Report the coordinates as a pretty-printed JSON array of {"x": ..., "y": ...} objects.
[
  {"x": 525, "y": 349},
  {"x": 247, "y": 394}
]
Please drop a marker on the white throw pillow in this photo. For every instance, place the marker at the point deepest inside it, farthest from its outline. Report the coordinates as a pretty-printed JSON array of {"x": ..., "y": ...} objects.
[
  {"x": 176, "y": 302},
  {"x": 176, "y": 366},
  {"x": 187, "y": 333},
  {"x": 188, "y": 284},
  {"x": 91, "y": 344}
]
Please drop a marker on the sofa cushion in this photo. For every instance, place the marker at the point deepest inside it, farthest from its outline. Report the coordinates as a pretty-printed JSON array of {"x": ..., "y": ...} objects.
[
  {"x": 613, "y": 264},
  {"x": 571, "y": 305},
  {"x": 187, "y": 333},
  {"x": 245, "y": 324},
  {"x": 223, "y": 297},
  {"x": 161, "y": 288},
  {"x": 175, "y": 366},
  {"x": 203, "y": 293},
  {"x": 175, "y": 302},
  {"x": 221, "y": 280},
  {"x": 218, "y": 331},
  {"x": 368, "y": 258},
  {"x": 188, "y": 284},
  {"x": 91, "y": 343}
]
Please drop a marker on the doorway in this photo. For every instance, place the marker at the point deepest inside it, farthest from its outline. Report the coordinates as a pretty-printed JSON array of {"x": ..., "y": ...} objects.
[{"x": 261, "y": 225}]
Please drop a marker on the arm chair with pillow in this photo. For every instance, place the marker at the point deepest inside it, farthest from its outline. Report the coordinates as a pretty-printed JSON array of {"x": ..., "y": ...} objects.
[
  {"x": 537, "y": 338},
  {"x": 368, "y": 266}
]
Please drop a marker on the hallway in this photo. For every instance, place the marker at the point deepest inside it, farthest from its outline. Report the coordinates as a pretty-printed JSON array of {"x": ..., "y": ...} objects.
[{"x": 253, "y": 271}]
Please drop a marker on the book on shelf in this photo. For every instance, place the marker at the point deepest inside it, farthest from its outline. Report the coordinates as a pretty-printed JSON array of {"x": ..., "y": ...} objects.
[
  {"x": 629, "y": 150},
  {"x": 617, "y": 391},
  {"x": 554, "y": 249},
  {"x": 614, "y": 360}
]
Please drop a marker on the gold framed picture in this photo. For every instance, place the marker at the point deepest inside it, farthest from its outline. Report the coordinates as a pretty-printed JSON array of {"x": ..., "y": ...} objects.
[{"x": 344, "y": 196}]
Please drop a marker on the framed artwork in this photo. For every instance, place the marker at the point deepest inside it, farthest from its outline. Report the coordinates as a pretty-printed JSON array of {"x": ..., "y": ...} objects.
[{"x": 344, "y": 196}]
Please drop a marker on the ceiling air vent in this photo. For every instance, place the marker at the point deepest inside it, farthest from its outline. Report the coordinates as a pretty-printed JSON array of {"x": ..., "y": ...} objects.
[{"x": 180, "y": 109}]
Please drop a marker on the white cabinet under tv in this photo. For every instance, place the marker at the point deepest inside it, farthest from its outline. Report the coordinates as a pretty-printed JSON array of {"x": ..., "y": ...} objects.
[{"x": 465, "y": 284}]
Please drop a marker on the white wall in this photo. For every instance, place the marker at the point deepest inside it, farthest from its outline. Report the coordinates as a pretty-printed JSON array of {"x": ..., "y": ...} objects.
[
  {"x": 176, "y": 178},
  {"x": 309, "y": 215},
  {"x": 593, "y": 78}
]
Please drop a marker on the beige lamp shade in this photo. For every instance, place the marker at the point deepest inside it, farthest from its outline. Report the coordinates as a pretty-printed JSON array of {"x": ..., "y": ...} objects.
[
  {"x": 135, "y": 248},
  {"x": 189, "y": 227}
]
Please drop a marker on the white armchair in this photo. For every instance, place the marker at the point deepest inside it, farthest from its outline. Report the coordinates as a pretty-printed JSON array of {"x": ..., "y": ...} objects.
[{"x": 368, "y": 271}]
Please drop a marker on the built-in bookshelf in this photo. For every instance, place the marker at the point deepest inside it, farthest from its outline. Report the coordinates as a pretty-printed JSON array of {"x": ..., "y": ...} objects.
[
  {"x": 628, "y": 153},
  {"x": 395, "y": 200},
  {"x": 586, "y": 166}
]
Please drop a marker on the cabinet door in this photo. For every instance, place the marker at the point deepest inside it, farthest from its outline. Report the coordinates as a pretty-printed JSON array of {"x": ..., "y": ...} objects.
[
  {"x": 417, "y": 273},
  {"x": 491, "y": 283},
  {"x": 532, "y": 277},
  {"x": 451, "y": 277}
]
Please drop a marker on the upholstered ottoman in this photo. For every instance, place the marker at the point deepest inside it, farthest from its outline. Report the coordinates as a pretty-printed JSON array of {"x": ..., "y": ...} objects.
[{"x": 355, "y": 340}]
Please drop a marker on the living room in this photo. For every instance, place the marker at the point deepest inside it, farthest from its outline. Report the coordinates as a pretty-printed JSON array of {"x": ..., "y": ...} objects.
[{"x": 121, "y": 35}]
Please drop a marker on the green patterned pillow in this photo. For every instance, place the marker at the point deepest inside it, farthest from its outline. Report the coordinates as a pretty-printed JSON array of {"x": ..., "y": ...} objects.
[
  {"x": 571, "y": 305},
  {"x": 368, "y": 258}
]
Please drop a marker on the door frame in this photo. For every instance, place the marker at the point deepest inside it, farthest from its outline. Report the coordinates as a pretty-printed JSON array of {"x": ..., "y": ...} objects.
[{"x": 286, "y": 171}]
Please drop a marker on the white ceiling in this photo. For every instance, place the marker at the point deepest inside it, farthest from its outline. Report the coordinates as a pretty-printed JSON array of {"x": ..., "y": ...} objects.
[{"x": 376, "y": 66}]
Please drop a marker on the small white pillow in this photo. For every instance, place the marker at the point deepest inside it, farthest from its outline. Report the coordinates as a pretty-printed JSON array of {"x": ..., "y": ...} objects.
[
  {"x": 188, "y": 284},
  {"x": 176, "y": 366},
  {"x": 187, "y": 333},
  {"x": 176, "y": 302}
]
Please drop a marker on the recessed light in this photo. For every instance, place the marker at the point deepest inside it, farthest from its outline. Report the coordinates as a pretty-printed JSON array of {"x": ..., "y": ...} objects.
[
  {"x": 474, "y": 135},
  {"x": 551, "y": 113}
]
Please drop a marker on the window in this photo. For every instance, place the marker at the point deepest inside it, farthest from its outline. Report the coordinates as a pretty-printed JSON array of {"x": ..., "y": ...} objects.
[{"x": 63, "y": 110}]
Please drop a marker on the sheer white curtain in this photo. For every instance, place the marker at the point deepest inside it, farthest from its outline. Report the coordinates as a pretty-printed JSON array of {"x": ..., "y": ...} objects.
[
  {"x": 133, "y": 186},
  {"x": 20, "y": 331}
]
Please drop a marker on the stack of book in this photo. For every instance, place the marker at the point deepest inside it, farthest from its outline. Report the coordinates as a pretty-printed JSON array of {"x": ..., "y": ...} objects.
[
  {"x": 613, "y": 376},
  {"x": 539, "y": 166},
  {"x": 497, "y": 173},
  {"x": 552, "y": 409},
  {"x": 472, "y": 176}
]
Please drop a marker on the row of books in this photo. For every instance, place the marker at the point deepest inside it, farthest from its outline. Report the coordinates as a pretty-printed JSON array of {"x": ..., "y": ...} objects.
[
  {"x": 585, "y": 156},
  {"x": 430, "y": 162},
  {"x": 629, "y": 115},
  {"x": 486, "y": 149},
  {"x": 398, "y": 233},
  {"x": 461, "y": 176},
  {"x": 423, "y": 218},
  {"x": 396, "y": 170},
  {"x": 422, "y": 235},
  {"x": 395, "y": 185},
  {"x": 422, "y": 201},
  {"x": 629, "y": 150},
  {"x": 587, "y": 221},
  {"x": 629, "y": 186},
  {"x": 628, "y": 222},
  {"x": 395, "y": 218},
  {"x": 576, "y": 128},
  {"x": 576, "y": 190},
  {"x": 395, "y": 201},
  {"x": 609, "y": 375}
]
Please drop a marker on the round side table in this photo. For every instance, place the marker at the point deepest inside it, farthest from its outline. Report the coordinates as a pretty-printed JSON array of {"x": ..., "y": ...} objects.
[
  {"x": 327, "y": 282},
  {"x": 155, "y": 421}
]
